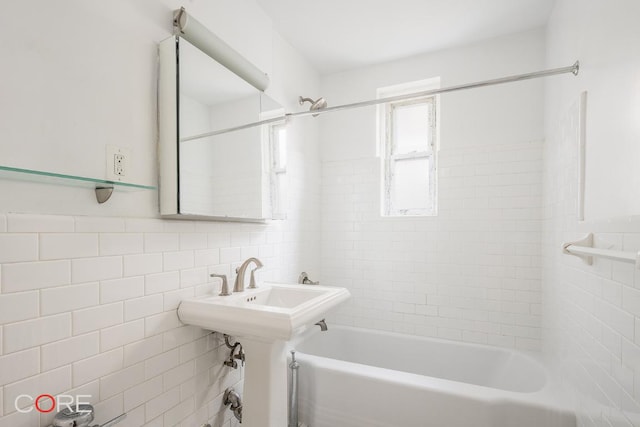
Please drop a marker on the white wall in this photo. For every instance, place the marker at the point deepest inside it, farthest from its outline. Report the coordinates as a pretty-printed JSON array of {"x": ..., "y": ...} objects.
[
  {"x": 471, "y": 273},
  {"x": 591, "y": 313},
  {"x": 603, "y": 36},
  {"x": 88, "y": 292}
]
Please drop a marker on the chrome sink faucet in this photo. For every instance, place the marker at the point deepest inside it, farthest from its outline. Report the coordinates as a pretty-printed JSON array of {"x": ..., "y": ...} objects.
[{"x": 238, "y": 286}]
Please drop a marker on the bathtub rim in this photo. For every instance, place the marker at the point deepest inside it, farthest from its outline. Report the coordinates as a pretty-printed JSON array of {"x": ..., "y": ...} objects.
[{"x": 551, "y": 395}]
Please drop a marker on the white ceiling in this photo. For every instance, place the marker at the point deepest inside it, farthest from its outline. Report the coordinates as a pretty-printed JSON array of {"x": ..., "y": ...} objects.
[{"x": 338, "y": 35}]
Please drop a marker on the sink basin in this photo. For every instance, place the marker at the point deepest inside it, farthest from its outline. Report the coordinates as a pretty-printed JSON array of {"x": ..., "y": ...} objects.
[
  {"x": 271, "y": 312},
  {"x": 264, "y": 319}
]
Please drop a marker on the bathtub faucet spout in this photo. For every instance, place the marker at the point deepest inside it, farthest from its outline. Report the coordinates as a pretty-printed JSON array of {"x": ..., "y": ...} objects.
[{"x": 322, "y": 324}]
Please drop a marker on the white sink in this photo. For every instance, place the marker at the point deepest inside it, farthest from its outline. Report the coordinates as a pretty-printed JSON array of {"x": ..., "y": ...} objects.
[
  {"x": 270, "y": 312},
  {"x": 264, "y": 319}
]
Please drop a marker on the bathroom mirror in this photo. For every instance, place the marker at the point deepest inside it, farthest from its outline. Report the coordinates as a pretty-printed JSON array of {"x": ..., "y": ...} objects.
[{"x": 228, "y": 174}]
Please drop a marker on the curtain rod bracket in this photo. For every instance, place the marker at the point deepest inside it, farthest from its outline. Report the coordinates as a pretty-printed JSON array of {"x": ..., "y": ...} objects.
[{"x": 576, "y": 68}]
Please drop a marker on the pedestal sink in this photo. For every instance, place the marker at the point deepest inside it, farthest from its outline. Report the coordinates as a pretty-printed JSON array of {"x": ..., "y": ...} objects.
[{"x": 264, "y": 319}]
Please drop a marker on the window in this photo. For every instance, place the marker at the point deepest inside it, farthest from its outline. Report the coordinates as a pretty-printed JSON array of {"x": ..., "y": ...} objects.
[
  {"x": 278, "y": 170},
  {"x": 409, "y": 146}
]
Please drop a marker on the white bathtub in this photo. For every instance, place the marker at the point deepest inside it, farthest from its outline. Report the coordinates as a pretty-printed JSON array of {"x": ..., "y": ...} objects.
[{"x": 352, "y": 377}]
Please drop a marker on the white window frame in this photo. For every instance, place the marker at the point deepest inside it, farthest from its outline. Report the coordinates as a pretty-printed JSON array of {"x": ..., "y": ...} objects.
[{"x": 387, "y": 145}]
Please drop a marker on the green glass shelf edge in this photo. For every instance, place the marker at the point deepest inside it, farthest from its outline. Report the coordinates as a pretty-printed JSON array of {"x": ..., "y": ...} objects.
[{"x": 8, "y": 172}]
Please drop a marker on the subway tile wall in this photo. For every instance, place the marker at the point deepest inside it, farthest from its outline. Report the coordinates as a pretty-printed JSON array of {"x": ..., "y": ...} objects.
[
  {"x": 591, "y": 313},
  {"x": 472, "y": 273},
  {"x": 88, "y": 306}
]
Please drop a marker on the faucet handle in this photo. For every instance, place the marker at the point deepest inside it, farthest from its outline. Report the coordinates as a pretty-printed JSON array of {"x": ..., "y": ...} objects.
[
  {"x": 252, "y": 280},
  {"x": 303, "y": 279},
  {"x": 225, "y": 286}
]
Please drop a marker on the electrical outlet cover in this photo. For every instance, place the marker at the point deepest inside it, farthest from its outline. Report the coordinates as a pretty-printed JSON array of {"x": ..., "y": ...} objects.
[{"x": 118, "y": 163}]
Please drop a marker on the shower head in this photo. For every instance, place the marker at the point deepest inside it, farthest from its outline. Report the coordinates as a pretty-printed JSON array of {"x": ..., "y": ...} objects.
[{"x": 318, "y": 104}]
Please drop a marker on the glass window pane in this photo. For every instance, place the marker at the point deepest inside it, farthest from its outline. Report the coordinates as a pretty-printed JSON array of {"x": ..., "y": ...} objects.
[
  {"x": 410, "y": 184},
  {"x": 411, "y": 127}
]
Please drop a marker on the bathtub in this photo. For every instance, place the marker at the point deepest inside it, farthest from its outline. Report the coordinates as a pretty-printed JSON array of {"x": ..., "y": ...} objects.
[{"x": 351, "y": 377}]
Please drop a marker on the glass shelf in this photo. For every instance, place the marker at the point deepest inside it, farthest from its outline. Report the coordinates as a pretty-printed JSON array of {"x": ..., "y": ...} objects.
[{"x": 18, "y": 174}]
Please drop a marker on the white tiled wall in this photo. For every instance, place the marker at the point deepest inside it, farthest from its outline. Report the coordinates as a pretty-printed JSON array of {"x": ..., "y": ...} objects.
[
  {"x": 591, "y": 330},
  {"x": 470, "y": 274},
  {"x": 591, "y": 313},
  {"x": 88, "y": 306}
]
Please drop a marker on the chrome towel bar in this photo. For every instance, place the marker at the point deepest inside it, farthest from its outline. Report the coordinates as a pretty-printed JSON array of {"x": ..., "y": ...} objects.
[{"x": 584, "y": 249}]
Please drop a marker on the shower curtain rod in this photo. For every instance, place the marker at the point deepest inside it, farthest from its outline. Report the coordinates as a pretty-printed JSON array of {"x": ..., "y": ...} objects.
[{"x": 573, "y": 69}]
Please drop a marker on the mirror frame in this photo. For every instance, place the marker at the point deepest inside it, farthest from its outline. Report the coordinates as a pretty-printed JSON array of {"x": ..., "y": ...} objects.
[{"x": 169, "y": 138}]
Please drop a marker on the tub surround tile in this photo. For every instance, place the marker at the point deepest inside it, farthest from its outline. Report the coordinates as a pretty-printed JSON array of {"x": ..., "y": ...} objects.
[
  {"x": 120, "y": 243},
  {"x": 161, "y": 363},
  {"x": 180, "y": 336},
  {"x": 218, "y": 240},
  {"x": 161, "y": 242},
  {"x": 121, "y": 289},
  {"x": 35, "y": 275},
  {"x": 172, "y": 299},
  {"x": 206, "y": 257},
  {"x": 591, "y": 311},
  {"x": 93, "y": 319},
  {"x": 141, "y": 264},
  {"x": 178, "y": 260},
  {"x": 67, "y": 351},
  {"x": 68, "y": 298},
  {"x": 193, "y": 349},
  {"x": 127, "y": 378},
  {"x": 159, "y": 323},
  {"x": 66, "y": 246},
  {"x": 18, "y": 247},
  {"x": 19, "y": 419},
  {"x": 143, "y": 225},
  {"x": 120, "y": 335},
  {"x": 88, "y": 224},
  {"x": 97, "y": 366},
  {"x": 158, "y": 405},
  {"x": 191, "y": 241},
  {"x": 53, "y": 381},
  {"x": 162, "y": 282},
  {"x": 19, "y": 365},
  {"x": 142, "y": 307},
  {"x": 29, "y": 223},
  {"x": 194, "y": 276},
  {"x": 143, "y": 391},
  {"x": 142, "y": 350},
  {"x": 178, "y": 375},
  {"x": 179, "y": 412},
  {"x": 95, "y": 269},
  {"x": 179, "y": 226},
  {"x": 19, "y": 306},
  {"x": 32, "y": 333},
  {"x": 135, "y": 418},
  {"x": 230, "y": 255},
  {"x": 108, "y": 409}
]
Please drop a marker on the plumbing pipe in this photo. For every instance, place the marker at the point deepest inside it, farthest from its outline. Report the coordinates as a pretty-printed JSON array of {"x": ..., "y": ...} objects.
[
  {"x": 293, "y": 395},
  {"x": 231, "y": 397}
]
